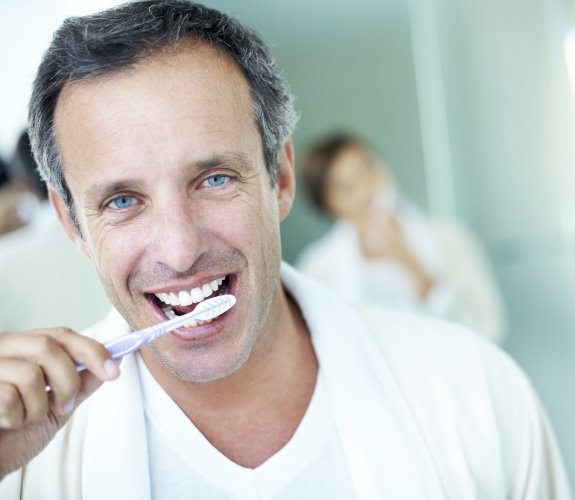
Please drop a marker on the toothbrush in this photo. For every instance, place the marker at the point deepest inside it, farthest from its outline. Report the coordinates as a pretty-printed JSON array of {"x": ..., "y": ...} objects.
[
  {"x": 206, "y": 310},
  {"x": 130, "y": 342}
]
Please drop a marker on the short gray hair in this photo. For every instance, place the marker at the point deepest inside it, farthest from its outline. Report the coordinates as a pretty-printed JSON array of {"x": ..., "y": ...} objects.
[{"x": 118, "y": 38}]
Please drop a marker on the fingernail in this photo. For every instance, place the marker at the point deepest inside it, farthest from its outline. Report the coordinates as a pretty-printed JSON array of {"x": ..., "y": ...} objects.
[{"x": 111, "y": 368}]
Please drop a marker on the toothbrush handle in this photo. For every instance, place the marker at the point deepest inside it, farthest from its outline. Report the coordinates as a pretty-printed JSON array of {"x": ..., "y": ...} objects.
[
  {"x": 120, "y": 347},
  {"x": 131, "y": 342},
  {"x": 126, "y": 344}
]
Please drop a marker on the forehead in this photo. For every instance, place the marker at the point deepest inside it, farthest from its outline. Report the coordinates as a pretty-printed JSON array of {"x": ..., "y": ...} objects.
[{"x": 193, "y": 96}]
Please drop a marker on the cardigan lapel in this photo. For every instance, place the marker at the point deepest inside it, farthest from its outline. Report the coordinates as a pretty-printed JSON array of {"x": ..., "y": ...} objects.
[
  {"x": 115, "y": 459},
  {"x": 385, "y": 450}
]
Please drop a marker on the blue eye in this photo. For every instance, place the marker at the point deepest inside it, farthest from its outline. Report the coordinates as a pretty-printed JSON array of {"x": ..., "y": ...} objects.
[
  {"x": 217, "y": 180},
  {"x": 122, "y": 202}
]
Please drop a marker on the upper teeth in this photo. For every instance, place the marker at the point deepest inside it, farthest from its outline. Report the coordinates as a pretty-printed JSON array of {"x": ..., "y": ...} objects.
[{"x": 187, "y": 297}]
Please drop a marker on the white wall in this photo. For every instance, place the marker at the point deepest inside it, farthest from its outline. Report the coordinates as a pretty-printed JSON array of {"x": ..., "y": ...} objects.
[
  {"x": 26, "y": 27},
  {"x": 512, "y": 150}
]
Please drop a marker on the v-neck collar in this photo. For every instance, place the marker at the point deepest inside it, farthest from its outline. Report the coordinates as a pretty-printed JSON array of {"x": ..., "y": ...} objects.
[{"x": 184, "y": 438}]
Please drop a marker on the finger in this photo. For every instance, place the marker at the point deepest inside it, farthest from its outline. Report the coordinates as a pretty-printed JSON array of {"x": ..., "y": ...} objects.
[
  {"x": 83, "y": 350},
  {"x": 100, "y": 367},
  {"x": 90, "y": 383},
  {"x": 28, "y": 379},
  {"x": 57, "y": 351},
  {"x": 88, "y": 352},
  {"x": 50, "y": 355},
  {"x": 11, "y": 407}
]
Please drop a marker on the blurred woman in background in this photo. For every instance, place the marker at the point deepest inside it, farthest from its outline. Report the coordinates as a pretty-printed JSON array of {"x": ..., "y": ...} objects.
[{"x": 383, "y": 250}]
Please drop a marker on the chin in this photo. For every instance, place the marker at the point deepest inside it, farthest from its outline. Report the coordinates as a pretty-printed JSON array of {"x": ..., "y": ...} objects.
[{"x": 200, "y": 367}]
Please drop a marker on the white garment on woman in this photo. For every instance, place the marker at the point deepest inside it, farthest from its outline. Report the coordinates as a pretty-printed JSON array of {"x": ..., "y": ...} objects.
[
  {"x": 464, "y": 288},
  {"x": 423, "y": 410}
]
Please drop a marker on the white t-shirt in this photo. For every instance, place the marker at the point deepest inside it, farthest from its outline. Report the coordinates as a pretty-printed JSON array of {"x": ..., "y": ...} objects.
[{"x": 184, "y": 464}]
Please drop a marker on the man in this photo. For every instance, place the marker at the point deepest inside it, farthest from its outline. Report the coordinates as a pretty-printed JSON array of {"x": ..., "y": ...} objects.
[{"x": 163, "y": 130}]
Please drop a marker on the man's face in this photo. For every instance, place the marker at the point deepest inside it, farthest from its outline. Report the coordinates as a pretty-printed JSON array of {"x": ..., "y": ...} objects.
[{"x": 165, "y": 166}]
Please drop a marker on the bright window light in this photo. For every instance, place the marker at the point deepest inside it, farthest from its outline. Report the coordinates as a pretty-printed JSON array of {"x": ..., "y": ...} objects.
[{"x": 570, "y": 60}]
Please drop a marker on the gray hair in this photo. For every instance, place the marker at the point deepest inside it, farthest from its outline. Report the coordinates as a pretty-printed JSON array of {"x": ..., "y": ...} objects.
[{"x": 118, "y": 38}]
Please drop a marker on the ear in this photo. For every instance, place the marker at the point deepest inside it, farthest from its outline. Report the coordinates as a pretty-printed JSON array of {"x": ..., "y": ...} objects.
[
  {"x": 65, "y": 219},
  {"x": 285, "y": 181}
]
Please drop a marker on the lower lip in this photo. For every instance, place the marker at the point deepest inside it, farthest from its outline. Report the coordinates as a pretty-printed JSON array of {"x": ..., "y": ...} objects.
[{"x": 201, "y": 332}]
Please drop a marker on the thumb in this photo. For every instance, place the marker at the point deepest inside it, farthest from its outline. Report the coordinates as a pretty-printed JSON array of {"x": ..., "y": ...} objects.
[{"x": 91, "y": 383}]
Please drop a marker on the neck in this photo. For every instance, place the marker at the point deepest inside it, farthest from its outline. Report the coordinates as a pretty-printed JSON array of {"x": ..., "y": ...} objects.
[{"x": 252, "y": 413}]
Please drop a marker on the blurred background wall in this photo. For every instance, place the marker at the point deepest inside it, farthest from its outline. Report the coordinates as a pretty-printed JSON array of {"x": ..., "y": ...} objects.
[{"x": 467, "y": 101}]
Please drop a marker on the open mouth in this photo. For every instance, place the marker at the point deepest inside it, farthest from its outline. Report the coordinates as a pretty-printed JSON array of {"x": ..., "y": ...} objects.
[{"x": 180, "y": 302}]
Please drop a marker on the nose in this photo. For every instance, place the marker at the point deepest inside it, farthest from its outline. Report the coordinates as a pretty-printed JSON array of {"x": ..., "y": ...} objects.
[{"x": 177, "y": 236}]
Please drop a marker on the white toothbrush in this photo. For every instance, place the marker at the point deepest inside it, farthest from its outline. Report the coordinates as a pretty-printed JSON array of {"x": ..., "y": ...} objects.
[{"x": 205, "y": 310}]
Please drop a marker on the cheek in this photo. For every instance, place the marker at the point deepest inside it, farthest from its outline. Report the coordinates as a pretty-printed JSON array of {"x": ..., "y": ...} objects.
[
  {"x": 116, "y": 250},
  {"x": 256, "y": 233},
  {"x": 245, "y": 228},
  {"x": 254, "y": 216}
]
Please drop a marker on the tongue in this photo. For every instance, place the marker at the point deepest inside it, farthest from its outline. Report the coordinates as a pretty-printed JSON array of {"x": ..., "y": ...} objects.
[{"x": 181, "y": 310}]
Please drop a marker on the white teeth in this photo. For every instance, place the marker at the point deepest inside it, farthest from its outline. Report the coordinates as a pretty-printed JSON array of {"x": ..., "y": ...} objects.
[
  {"x": 195, "y": 322},
  {"x": 190, "y": 324},
  {"x": 197, "y": 295},
  {"x": 169, "y": 313},
  {"x": 187, "y": 297}
]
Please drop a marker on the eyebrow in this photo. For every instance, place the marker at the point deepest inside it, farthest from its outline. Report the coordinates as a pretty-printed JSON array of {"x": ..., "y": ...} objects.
[
  {"x": 239, "y": 161},
  {"x": 98, "y": 192}
]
